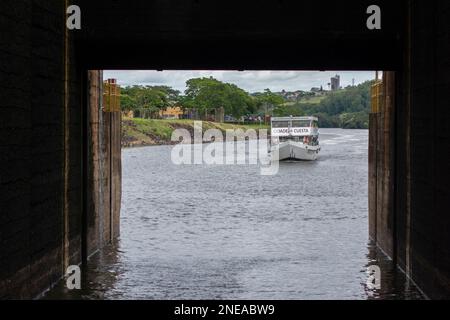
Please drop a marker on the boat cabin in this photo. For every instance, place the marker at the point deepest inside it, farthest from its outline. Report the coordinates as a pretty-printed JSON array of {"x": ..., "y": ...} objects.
[{"x": 298, "y": 129}]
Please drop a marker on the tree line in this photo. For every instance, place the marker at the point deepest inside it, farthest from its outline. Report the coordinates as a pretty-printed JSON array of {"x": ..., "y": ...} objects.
[
  {"x": 205, "y": 95},
  {"x": 347, "y": 108}
]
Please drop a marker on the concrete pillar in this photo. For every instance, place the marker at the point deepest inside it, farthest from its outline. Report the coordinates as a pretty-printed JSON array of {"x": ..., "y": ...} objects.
[{"x": 381, "y": 163}]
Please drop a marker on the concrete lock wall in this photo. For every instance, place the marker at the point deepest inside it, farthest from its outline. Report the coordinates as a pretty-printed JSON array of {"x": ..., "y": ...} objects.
[
  {"x": 381, "y": 164},
  {"x": 104, "y": 169},
  {"x": 409, "y": 167},
  {"x": 429, "y": 221},
  {"x": 43, "y": 106}
]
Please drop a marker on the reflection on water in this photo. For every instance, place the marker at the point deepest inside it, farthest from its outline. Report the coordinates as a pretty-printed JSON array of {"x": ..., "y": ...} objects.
[
  {"x": 226, "y": 232},
  {"x": 394, "y": 284}
]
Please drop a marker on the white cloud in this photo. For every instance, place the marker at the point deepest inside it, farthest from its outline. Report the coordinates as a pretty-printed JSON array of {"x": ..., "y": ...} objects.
[{"x": 251, "y": 81}]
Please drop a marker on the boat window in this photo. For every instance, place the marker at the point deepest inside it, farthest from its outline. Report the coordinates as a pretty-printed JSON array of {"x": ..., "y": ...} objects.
[
  {"x": 315, "y": 124},
  {"x": 300, "y": 124},
  {"x": 280, "y": 124}
]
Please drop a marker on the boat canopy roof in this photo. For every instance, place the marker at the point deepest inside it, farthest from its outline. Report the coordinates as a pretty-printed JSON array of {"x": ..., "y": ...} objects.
[{"x": 275, "y": 119}]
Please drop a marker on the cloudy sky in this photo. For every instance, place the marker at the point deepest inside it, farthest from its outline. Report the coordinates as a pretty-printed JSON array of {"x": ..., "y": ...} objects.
[{"x": 251, "y": 81}]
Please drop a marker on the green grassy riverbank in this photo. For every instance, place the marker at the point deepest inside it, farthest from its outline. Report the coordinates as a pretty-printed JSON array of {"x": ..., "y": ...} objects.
[{"x": 148, "y": 132}]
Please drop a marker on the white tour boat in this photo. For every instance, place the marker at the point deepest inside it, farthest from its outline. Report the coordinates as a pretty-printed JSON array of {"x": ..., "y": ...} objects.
[{"x": 295, "y": 138}]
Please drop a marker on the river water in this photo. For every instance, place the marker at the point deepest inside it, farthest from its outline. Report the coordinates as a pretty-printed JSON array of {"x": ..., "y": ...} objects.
[{"x": 227, "y": 232}]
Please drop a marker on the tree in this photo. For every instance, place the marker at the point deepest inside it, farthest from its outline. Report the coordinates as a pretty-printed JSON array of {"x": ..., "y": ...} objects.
[
  {"x": 127, "y": 102},
  {"x": 147, "y": 100},
  {"x": 209, "y": 94},
  {"x": 268, "y": 101}
]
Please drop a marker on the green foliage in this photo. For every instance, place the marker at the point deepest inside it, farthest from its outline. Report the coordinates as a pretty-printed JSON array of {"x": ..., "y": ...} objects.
[
  {"x": 269, "y": 98},
  {"x": 207, "y": 94},
  {"x": 147, "y": 99},
  {"x": 153, "y": 127},
  {"x": 355, "y": 120},
  {"x": 203, "y": 94},
  {"x": 348, "y": 108},
  {"x": 327, "y": 121},
  {"x": 268, "y": 101},
  {"x": 128, "y": 102},
  {"x": 288, "y": 110},
  {"x": 138, "y": 131}
]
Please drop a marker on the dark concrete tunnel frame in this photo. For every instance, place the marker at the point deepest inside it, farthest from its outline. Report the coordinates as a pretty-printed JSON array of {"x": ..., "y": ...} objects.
[{"x": 412, "y": 194}]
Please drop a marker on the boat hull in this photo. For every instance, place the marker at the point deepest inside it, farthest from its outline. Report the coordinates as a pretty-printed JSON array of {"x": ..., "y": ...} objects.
[{"x": 291, "y": 150}]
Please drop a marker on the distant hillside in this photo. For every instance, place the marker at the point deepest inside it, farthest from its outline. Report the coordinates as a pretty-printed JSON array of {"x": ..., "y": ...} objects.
[
  {"x": 306, "y": 100},
  {"x": 347, "y": 108}
]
